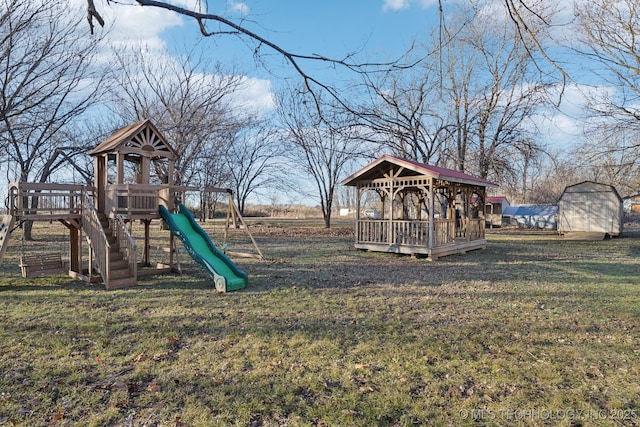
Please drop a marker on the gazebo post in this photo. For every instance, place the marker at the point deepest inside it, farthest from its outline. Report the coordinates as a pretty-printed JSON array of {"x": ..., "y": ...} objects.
[
  {"x": 390, "y": 196},
  {"x": 431, "y": 196},
  {"x": 467, "y": 207},
  {"x": 359, "y": 194}
]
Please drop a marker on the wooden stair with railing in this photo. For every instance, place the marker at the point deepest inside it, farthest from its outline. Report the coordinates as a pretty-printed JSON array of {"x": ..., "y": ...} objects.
[{"x": 120, "y": 274}]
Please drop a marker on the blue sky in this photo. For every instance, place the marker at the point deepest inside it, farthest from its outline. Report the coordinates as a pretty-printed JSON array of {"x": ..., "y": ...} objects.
[
  {"x": 378, "y": 30},
  {"x": 331, "y": 28}
]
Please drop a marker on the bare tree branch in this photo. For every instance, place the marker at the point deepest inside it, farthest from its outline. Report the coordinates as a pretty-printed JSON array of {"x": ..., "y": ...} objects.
[
  {"x": 294, "y": 59},
  {"x": 92, "y": 14}
]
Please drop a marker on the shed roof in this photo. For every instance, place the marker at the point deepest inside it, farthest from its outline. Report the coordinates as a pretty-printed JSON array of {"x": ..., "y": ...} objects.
[
  {"x": 141, "y": 136},
  {"x": 497, "y": 199},
  {"x": 379, "y": 167},
  {"x": 590, "y": 187},
  {"x": 531, "y": 210}
]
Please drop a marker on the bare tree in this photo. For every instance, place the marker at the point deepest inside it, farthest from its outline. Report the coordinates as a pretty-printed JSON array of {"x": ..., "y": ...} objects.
[
  {"x": 552, "y": 174},
  {"x": 518, "y": 168},
  {"x": 528, "y": 18},
  {"x": 404, "y": 114},
  {"x": 47, "y": 82},
  {"x": 489, "y": 88},
  {"x": 609, "y": 31},
  {"x": 253, "y": 158},
  {"x": 610, "y": 156},
  {"x": 322, "y": 152},
  {"x": 190, "y": 102}
]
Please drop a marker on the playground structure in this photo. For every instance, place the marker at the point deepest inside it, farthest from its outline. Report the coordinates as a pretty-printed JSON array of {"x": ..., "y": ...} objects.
[{"x": 133, "y": 181}]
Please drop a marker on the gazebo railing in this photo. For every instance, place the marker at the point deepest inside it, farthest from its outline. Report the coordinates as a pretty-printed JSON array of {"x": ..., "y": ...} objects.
[
  {"x": 416, "y": 233},
  {"x": 444, "y": 232},
  {"x": 407, "y": 232},
  {"x": 373, "y": 231},
  {"x": 476, "y": 228}
]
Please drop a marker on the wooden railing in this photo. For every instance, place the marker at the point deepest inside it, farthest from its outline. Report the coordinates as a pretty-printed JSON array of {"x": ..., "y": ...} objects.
[
  {"x": 133, "y": 199},
  {"x": 127, "y": 243},
  {"x": 372, "y": 231},
  {"x": 50, "y": 201},
  {"x": 45, "y": 200},
  {"x": 444, "y": 232},
  {"x": 410, "y": 232},
  {"x": 96, "y": 236},
  {"x": 407, "y": 232},
  {"x": 475, "y": 228}
]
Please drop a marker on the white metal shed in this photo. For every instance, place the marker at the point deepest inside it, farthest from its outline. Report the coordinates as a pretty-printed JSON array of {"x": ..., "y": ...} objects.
[{"x": 590, "y": 207}]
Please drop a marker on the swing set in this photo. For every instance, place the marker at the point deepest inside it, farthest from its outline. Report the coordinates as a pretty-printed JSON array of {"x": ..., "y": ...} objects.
[
  {"x": 235, "y": 219},
  {"x": 42, "y": 264}
]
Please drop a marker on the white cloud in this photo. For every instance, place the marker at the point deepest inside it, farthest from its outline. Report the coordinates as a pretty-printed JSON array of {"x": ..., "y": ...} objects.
[
  {"x": 395, "y": 4},
  {"x": 141, "y": 24},
  {"x": 241, "y": 8},
  {"x": 255, "y": 95},
  {"x": 134, "y": 24},
  {"x": 405, "y": 4}
]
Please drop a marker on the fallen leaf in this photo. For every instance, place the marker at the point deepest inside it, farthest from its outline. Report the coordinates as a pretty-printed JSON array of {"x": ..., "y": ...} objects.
[
  {"x": 154, "y": 388},
  {"x": 140, "y": 358}
]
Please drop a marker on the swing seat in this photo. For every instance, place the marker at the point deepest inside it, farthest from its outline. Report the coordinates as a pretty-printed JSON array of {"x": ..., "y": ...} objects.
[{"x": 42, "y": 265}]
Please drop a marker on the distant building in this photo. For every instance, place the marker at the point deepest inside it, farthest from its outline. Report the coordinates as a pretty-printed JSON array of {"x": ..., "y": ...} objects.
[
  {"x": 590, "y": 207},
  {"x": 631, "y": 205},
  {"x": 531, "y": 216},
  {"x": 494, "y": 208}
]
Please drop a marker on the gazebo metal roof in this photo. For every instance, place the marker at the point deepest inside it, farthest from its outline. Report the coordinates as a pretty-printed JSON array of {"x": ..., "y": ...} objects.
[{"x": 379, "y": 167}]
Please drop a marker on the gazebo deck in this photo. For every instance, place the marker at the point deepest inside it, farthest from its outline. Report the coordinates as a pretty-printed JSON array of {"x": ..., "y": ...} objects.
[{"x": 412, "y": 236}]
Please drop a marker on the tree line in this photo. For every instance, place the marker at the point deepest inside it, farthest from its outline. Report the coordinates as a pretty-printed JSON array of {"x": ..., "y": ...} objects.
[{"x": 469, "y": 97}]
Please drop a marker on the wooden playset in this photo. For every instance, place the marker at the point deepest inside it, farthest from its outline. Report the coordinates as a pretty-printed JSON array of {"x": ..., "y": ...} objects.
[{"x": 133, "y": 181}]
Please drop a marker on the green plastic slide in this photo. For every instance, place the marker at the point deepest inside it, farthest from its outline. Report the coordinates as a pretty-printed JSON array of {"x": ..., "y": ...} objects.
[{"x": 226, "y": 275}]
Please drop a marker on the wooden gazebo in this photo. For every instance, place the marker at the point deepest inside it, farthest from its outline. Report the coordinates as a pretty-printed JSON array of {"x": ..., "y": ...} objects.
[{"x": 418, "y": 209}]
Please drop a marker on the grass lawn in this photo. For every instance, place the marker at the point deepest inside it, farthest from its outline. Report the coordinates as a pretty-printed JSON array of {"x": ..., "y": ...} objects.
[{"x": 533, "y": 331}]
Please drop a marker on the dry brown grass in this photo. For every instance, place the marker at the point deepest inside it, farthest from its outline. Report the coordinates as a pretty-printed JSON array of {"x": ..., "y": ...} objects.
[{"x": 531, "y": 331}]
